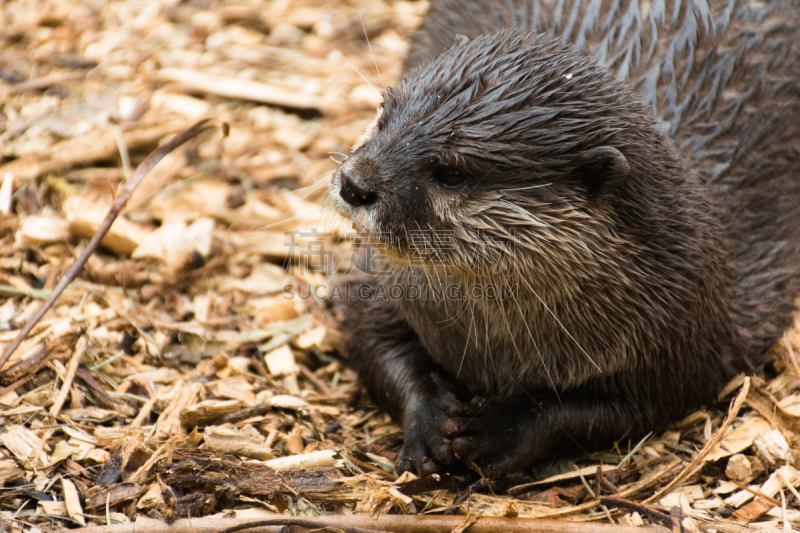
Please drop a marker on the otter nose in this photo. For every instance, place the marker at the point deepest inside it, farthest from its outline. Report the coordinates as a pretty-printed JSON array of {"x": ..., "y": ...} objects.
[{"x": 355, "y": 195}]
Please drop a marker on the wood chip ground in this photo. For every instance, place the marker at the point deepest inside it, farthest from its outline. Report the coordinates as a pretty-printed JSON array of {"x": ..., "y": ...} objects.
[{"x": 176, "y": 379}]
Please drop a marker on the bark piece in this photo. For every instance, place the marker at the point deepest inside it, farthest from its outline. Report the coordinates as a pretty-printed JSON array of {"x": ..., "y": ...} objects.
[
  {"x": 773, "y": 449},
  {"x": 740, "y": 438},
  {"x": 113, "y": 495},
  {"x": 236, "y": 88},
  {"x": 781, "y": 477},
  {"x": 169, "y": 423},
  {"x": 86, "y": 215},
  {"x": 319, "y": 459},
  {"x": 36, "y": 230},
  {"x": 206, "y": 411},
  {"x": 98, "y": 145},
  {"x": 739, "y": 468},
  {"x": 9, "y": 471},
  {"x": 73, "y": 501},
  {"x": 26, "y": 446},
  {"x": 247, "y": 442}
]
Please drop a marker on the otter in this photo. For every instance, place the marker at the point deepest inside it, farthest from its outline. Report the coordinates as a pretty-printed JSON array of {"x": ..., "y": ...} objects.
[{"x": 625, "y": 176}]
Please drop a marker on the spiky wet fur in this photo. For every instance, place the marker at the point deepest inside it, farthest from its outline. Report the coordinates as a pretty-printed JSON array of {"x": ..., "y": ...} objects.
[{"x": 638, "y": 294}]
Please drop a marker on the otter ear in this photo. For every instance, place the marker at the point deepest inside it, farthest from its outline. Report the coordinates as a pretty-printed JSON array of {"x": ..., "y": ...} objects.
[{"x": 602, "y": 169}]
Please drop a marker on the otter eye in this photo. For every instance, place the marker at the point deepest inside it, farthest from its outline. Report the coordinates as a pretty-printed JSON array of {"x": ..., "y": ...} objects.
[{"x": 449, "y": 177}]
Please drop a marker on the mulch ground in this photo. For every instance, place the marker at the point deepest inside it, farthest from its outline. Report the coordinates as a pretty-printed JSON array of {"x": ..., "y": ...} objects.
[{"x": 174, "y": 379}]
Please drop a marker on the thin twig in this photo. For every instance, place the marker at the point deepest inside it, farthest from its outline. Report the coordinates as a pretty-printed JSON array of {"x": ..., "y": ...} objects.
[
  {"x": 72, "y": 369},
  {"x": 394, "y": 523},
  {"x": 697, "y": 461},
  {"x": 371, "y": 468},
  {"x": 144, "y": 412},
  {"x": 124, "y": 195},
  {"x": 44, "y": 83},
  {"x": 757, "y": 493},
  {"x": 788, "y": 484},
  {"x": 648, "y": 510}
]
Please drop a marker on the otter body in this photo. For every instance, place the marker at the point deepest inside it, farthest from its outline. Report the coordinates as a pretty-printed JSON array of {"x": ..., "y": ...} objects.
[{"x": 602, "y": 203}]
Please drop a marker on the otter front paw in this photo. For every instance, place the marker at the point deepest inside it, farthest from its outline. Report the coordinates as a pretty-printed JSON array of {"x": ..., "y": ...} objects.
[
  {"x": 498, "y": 437},
  {"x": 425, "y": 450}
]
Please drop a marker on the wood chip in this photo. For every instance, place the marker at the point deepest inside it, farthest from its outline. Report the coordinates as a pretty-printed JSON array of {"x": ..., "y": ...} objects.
[
  {"x": 243, "y": 89},
  {"x": 772, "y": 448},
  {"x": 753, "y": 510},
  {"x": 37, "y": 230},
  {"x": 98, "y": 145},
  {"x": 169, "y": 422},
  {"x": 246, "y": 442},
  {"x": 73, "y": 501},
  {"x": 740, "y": 438},
  {"x": 9, "y": 471},
  {"x": 201, "y": 413},
  {"x": 320, "y": 459},
  {"x": 53, "y": 508},
  {"x": 26, "y": 446},
  {"x": 111, "y": 496},
  {"x": 284, "y": 401},
  {"x": 85, "y": 216},
  {"x": 152, "y": 499},
  {"x": 294, "y": 442},
  {"x": 738, "y": 468},
  {"x": 7, "y": 193}
]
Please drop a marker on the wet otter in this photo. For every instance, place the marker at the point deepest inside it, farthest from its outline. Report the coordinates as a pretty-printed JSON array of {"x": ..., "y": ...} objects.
[{"x": 624, "y": 175}]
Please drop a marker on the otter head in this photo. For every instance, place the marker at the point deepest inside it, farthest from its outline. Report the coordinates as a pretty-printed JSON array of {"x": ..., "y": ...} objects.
[{"x": 507, "y": 146}]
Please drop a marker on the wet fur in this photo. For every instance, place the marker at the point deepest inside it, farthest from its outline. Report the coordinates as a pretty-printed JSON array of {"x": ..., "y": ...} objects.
[{"x": 634, "y": 176}]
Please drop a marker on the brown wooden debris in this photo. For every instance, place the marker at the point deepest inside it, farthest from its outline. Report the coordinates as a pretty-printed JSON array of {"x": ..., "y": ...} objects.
[
  {"x": 365, "y": 524},
  {"x": 772, "y": 448},
  {"x": 697, "y": 460},
  {"x": 72, "y": 369},
  {"x": 240, "y": 89},
  {"x": 206, "y": 411},
  {"x": 116, "y": 208},
  {"x": 73, "y": 501},
  {"x": 26, "y": 445},
  {"x": 769, "y": 407},
  {"x": 152, "y": 499},
  {"x": 9, "y": 471},
  {"x": 246, "y": 442},
  {"x": 206, "y": 471},
  {"x": 102, "y": 497},
  {"x": 43, "y": 83},
  {"x": 41, "y": 230},
  {"x": 169, "y": 422},
  {"x": 96, "y": 146},
  {"x": 743, "y": 468},
  {"x": 31, "y": 364},
  {"x": 740, "y": 438},
  {"x": 785, "y": 475},
  {"x": 85, "y": 216},
  {"x": 191, "y": 368}
]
